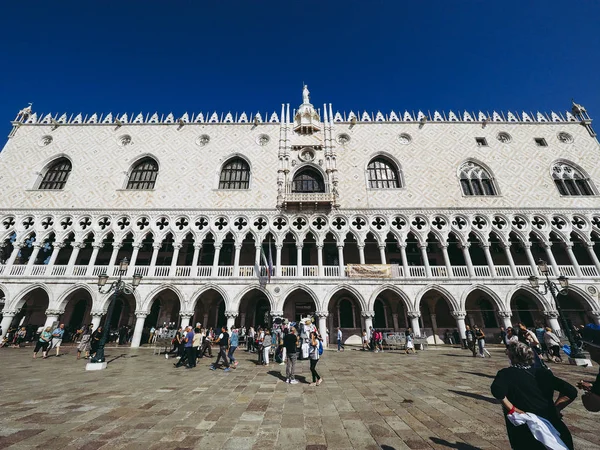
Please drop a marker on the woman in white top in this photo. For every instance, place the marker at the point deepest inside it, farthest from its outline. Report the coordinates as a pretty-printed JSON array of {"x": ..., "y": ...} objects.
[{"x": 314, "y": 356}]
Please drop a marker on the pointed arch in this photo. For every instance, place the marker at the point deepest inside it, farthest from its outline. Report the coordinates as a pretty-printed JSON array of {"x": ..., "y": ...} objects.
[
  {"x": 299, "y": 287},
  {"x": 384, "y": 172},
  {"x": 489, "y": 292},
  {"x": 343, "y": 287},
  {"x": 540, "y": 299},
  {"x": 476, "y": 179},
  {"x": 250, "y": 288},
  {"x": 63, "y": 299},
  {"x": 308, "y": 178},
  {"x": 208, "y": 287},
  {"x": 571, "y": 180},
  {"x": 440, "y": 290},
  {"x": 163, "y": 287},
  {"x": 235, "y": 173},
  {"x": 55, "y": 174},
  {"x": 20, "y": 297},
  {"x": 396, "y": 290},
  {"x": 143, "y": 174}
]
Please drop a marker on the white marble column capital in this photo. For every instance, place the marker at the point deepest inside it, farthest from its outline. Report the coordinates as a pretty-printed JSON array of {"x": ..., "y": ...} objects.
[
  {"x": 370, "y": 314},
  {"x": 54, "y": 312},
  {"x": 230, "y": 314},
  {"x": 459, "y": 314},
  {"x": 413, "y": 314},
  {"x": 276, "y": 314},
  {"x": 505, "y": 314},
  {"x": 97, "y": 313},
  {"x": 322, "y": 314},
  {"x": 551, "y": 314},
  {"x": 141, "y": 314},
  {"x": 10, "y": 312}
]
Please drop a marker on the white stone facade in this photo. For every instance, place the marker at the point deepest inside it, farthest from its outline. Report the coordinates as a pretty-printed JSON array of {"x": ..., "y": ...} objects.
[{"x": 196, "y": 242}]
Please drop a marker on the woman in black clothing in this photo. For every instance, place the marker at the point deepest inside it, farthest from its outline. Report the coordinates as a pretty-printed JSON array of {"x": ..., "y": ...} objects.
[
  {"x": 95, "y": 341},
  {"x": 525, "y": 388}
]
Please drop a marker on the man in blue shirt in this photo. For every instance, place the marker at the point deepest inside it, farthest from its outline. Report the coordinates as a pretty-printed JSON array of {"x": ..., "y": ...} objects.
[
  {"x": 190, "y": 350},
  {"x": 57, "y": 337}
]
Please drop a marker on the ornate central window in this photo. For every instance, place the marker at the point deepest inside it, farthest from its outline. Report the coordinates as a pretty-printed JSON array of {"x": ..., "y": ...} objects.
[
  {"x": 308, "y": 180},
  {"x": 57, "y": 175},
  {"x": 143, "y": 175},
  {"x": 383, "y": 174},
  {"x": 475, "y": 180},
  {"x": 235, "y": 175},
  {"x": 571, "y": 181}
]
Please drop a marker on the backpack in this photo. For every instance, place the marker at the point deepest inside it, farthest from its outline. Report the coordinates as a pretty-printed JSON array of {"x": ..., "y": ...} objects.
[{"x": 320, "y": 348}]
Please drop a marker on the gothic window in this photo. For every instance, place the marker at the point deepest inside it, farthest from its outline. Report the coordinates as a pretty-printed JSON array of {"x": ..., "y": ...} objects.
[
  {"x": 570, "y": 180},
  {"x": 383, "y": 174},
  {"x": 308, "y": 180},
  {"x": 57, "y": 174},
  {"x": 235, "y": 175},
  {"x": 143, "y": 175},
  {"x": 475, "y": 180}
]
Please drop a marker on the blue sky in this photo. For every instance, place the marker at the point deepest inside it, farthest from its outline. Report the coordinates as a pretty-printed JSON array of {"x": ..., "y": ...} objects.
[{"x": 146, "y": 55}]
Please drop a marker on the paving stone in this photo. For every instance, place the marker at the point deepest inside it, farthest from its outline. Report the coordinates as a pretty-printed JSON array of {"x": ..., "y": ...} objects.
[{"x": 439, "y": 400}]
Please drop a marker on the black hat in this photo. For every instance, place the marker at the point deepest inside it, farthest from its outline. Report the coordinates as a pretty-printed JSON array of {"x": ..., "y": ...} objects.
[{"x": 591, "y": 335}]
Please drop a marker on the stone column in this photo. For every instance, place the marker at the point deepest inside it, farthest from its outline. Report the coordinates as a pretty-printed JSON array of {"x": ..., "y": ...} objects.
[
  {"x": 322, "y": 316},
  {"x": 434, "y": 327},
  {"x": 197, "y": 248},
  {"x": 185, "y": 318},
  {"x": 278, "y": 248},
  {"x": 530, "y": 260},
  {"x": 574, "y": 262},
  {"x": 236, "y": 259},
  {"x": 402, "y": 248},
  {"x": 176, "y": 247},
  {"x": 73, "y": 258},
  {"x": 395, "y": 320},
  {"x": 134, "y": 256},
  {"x": 551, "y": 260},
  {"x": 511, "y": 261},
  {"x": 468, "y": 260},
  {"x": 361, "y": 253},
  {"x": 11, "y": 259},
  {"x": 32, "y": 258},
  {"x": 425, "y": 259},
  {"x": 97, "y": 318},
  {"x": 257, "y": 255},
  {"x": 299, "y": 259},
  {"x": 113, "y": 255},
  {"x": 414, "y": 322},
  {"x": 595, "y": 315},
  {"x": 242, "y": 319},
  {"x": 52, "y": 315},
  {"x": 55, "y": 250},
  {"x": 7, "y": 319},
  {"x": 382, "y": 254},
  {"x": 460, "y": 323},
  {"x": 488, "y": 258},
  {"x": 205, "y": 320},
  {"x": 140, "y": 319},
  {"x": 95, "y": 249},
  {"x": 231, "y": 315},
  {"x": 552, "y": 317},
  {"x": 385, "y": 315},
  {"x": 506, "y": 318},
  {"x": 340, "y": 248},
  {"x": 444, "y": 248},
  {"x": 320, "y": 259},
  {"x": 215, "y": 266},
  {"x": 592, "y": 253},
  {"x": 368, "y": 318}
]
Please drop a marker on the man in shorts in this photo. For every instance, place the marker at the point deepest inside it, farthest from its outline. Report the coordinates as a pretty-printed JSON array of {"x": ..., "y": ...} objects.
[{"x": 57, "y": 337}]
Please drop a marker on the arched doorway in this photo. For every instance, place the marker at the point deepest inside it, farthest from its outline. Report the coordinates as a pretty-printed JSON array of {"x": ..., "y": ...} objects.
[
  {"x": 575, "y": 309},
  {"x": 209, "y": 309},
  {"x": 33, "y": 312},
  {"x": 164, "y": 310},
  {"x": 390, "y": 311},
  {"x": 481, "y": 310},
  {"x": 298, "y": 304},
  {"x": 345, "y": 313},
  {"x": 436, "y": 316},
  {"x": 526, "y": 308},
  {"x": 77, "y": 306},
  {"x": 254, "y": 310}
]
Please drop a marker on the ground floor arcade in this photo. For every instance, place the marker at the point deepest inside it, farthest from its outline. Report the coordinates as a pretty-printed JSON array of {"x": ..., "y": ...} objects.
[{"x": 431, "y": 310}]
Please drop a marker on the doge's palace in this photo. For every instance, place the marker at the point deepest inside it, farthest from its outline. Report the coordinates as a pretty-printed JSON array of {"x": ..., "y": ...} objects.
[{"x": 393, "y": 220}]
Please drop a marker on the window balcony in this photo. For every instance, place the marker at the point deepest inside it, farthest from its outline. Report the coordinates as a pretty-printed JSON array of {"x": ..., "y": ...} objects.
[{"x": 315, "y": 272}]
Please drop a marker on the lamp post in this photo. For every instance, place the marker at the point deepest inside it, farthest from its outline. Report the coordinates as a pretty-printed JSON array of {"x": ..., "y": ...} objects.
[
  {"x": 117, "y": 287},
  {"x": 550, "y": 286}
]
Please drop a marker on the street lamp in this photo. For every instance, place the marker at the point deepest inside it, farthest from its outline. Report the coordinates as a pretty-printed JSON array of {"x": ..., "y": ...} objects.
[
  {"x": 550, "y": 286},
  {"x": 117, "y": 287}
]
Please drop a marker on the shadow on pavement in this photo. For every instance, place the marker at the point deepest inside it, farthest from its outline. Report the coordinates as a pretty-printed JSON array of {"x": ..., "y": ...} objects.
[
  {"x": 458, "y": 445},
  {"x": 476, "y": 396},
  {"x": 479, "y": 374}
]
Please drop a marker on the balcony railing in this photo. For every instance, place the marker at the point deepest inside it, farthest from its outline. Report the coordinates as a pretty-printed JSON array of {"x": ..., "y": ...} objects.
[{"x": 397, "y": 271}]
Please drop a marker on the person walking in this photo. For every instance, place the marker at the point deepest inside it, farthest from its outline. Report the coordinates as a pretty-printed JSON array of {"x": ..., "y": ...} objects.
[
  {"x": 95, "y": 341},
  {"x": 267, "y": 342},
  {"x": 339, "y": 341},
  {"x": 552, "y": 343},
  {"x": 43, "y": 343},
  {"x": 250, "y": 340},
  {"x": 409, "y": 341},
  {"x": 233, "y": 345},
  {"x": 197, "y": 343},
  {"x": 480, "y": 336},
  {"x": 84, "y": 344},
  {"x": 290, "y": 343},
  {"x": 365, "y": 341},
  {"x": 524, "y": 388},
  {"x": 470, "y": 335},
  {"x": 223, "y": 341},
  {"x": 190, "y": 350},
  {"x": 57, "y": 337},
  {"x": 314, "y": 355},
  {"x": 206, "y": 344}
]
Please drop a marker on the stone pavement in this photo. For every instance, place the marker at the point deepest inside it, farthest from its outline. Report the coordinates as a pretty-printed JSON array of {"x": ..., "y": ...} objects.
[{"x": 439, "y": 398}]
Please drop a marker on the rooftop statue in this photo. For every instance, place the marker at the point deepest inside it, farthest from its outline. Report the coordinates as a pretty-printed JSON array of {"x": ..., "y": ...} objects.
[{"x": 305, "y": 95}]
